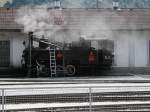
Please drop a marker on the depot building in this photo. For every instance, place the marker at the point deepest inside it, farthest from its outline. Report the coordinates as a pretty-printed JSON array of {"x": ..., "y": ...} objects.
[{"x": 126, "y": 33}]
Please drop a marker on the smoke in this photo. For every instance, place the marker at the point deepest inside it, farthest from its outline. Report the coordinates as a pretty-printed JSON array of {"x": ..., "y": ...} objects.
[
  {"x": 39, "y": 19},
  {"x": 95, "y": 26},
  {"x": 66, "y": 25},
  {"x": 52, "y": 23}
]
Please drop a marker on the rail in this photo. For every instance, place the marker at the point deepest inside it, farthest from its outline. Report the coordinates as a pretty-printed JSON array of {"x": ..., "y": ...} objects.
[{"x": 75, "y": 98}]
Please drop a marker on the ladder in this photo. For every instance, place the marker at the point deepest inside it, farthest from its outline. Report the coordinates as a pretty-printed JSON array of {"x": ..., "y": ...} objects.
[{"x": 52, "y": 61}]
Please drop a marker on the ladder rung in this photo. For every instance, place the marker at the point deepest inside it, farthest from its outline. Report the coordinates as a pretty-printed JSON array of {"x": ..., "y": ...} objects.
[
  {"x": 53, "y": 72},
  {"x": 52, "y": 56},
  {"x": 53, "y": 66},
  {"x": 53, "y": 59},
  {"x": 52, "y": 63}
]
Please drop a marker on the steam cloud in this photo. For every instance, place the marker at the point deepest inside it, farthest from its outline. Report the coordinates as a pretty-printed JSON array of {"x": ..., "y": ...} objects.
[
  {"x": 41, "y": 21},
  {"x": 37, "y": 19}
]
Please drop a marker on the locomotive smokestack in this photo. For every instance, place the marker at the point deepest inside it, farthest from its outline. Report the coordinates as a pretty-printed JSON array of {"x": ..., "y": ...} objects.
[
  {"x": 30, "y": 39},
  {"x": 30, "y": 53}
]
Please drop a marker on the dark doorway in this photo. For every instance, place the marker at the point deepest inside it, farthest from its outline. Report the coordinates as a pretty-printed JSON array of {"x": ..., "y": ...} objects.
[{"x": 4, "y": 53}]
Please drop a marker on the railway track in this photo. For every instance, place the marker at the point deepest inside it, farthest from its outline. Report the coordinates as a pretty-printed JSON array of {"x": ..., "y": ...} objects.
[
  {"x": 75, "y": 97},
  {"x": 132, "y": 101}
]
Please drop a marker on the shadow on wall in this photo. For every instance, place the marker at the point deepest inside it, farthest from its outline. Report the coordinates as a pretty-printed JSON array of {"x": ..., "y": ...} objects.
[{"x": 11, "y": 73}]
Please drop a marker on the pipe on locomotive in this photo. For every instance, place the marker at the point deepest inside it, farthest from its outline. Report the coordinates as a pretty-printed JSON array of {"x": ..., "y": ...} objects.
[{"x": 30, "y": 35}]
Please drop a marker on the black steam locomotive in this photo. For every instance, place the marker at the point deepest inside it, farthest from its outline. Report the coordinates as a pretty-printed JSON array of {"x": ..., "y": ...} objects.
[{"x": 69, "y": 60}]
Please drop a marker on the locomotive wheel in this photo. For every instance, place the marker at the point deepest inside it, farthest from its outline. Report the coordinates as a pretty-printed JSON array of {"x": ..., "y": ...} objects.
[
  {"x": 34, "y": 72},
  {"x": 71, "y": 70}
]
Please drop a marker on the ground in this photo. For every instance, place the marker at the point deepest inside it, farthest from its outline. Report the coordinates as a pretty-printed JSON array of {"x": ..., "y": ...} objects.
[{"x": 126, "y": 77}]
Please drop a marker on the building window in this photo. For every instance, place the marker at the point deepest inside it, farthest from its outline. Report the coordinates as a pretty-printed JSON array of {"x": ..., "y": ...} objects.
[{"x": 4, "y": 53}]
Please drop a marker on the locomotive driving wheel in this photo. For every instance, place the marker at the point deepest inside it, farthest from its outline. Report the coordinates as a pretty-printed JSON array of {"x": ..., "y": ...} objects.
[{"x": 71, "y": 70}]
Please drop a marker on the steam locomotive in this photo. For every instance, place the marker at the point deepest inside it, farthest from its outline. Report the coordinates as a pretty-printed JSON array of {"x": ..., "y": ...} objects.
[{"x": 70, "y": 60}]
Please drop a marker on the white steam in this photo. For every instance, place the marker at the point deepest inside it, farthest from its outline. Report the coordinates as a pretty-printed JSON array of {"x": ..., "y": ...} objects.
[
  {"x": 95, "y": 26},
  {"x": 62, "y": 25},
  {"x": 40, "y": 20}
]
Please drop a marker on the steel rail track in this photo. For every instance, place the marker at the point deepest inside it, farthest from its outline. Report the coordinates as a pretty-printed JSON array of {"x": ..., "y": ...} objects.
[{"x": 130, "y": 100}]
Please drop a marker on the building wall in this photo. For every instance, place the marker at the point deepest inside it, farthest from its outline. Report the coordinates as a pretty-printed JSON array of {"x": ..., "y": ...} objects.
[
  {"x": 141, "y": 46},
  {"x": 121, "y": 49},
  {"x": 17, "y": 48},
  {"x": 132, "y": 48}
]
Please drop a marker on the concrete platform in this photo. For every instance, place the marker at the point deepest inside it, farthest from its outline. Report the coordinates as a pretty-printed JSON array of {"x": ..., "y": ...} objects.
[{"x": 128, "y": 78}]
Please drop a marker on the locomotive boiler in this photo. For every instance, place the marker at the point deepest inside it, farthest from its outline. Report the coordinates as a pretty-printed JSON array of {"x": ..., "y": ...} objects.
[{"x": 52, "y": 59}]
